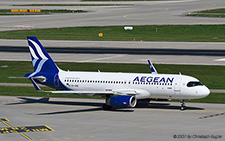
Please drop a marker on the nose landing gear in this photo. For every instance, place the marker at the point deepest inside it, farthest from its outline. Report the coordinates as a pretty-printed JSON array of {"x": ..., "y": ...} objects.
[{"x": 183, "y": 107}]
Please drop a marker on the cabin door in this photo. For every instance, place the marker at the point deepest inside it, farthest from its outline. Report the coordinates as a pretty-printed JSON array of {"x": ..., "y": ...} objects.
[{"x": 177, "y": 84}]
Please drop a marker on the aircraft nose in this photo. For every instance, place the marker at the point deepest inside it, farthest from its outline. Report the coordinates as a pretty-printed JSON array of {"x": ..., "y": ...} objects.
[{"x": 204, "y": 91}]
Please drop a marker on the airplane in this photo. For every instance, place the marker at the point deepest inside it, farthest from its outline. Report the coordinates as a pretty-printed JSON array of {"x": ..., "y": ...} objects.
[{"x": 121, "y": 90}]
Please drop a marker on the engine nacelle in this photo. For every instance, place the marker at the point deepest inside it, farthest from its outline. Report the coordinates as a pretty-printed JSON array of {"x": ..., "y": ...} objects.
[{"x": 122, "y": 101}]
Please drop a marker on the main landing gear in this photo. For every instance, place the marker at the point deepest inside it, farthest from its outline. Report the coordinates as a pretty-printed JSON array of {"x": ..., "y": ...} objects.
[
  {"x": 183, "y": 107},
  {"x": 106, "y": 107}
]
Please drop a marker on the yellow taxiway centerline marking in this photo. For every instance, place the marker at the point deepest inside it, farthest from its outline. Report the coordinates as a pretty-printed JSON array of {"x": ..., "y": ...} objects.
[
  {"x": 25, "y": 136},
  {"x": 49, "y": 128},
  {"x": 209, "y": 6},
  {"x": 214, "y": 115}
]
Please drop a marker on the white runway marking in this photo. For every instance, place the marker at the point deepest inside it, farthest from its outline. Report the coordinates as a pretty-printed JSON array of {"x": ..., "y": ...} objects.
[
  {"x": 104, "y": 58},
  {"x": 223, "y": 59}
]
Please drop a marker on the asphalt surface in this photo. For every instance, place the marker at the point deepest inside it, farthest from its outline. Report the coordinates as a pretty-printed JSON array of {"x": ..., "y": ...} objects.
[
  {"x": 134, "y": 13},
  {"x": 142, "y": 51},
  {"x": 84, "y": 119},
  {"x": 146, "y": 51},
  {"x": 197, "y": 53}
]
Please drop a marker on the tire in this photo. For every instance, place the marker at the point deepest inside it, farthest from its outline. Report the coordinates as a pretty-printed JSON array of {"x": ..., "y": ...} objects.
[{"x": 182, "y": 108}]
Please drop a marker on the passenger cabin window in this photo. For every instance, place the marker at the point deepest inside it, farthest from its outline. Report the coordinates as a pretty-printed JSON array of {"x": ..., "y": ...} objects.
[{"x": 193, "y": 84}]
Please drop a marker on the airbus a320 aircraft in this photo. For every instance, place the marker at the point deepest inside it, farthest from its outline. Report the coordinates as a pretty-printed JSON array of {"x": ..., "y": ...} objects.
[{"x": 121, "y": 90}]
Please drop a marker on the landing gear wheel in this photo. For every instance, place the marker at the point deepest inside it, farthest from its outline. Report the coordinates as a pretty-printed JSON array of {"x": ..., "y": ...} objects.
[
  {"x": 183, "y": 107},
  {"x": 106, "y": 107}
]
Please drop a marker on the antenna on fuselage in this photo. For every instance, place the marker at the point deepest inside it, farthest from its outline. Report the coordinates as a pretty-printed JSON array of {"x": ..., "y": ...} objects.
[{"x": 153, "y": 70}]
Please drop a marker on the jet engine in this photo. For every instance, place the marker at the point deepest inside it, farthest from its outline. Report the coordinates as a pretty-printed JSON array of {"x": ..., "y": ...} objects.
[{"x": 122, "y": 101}]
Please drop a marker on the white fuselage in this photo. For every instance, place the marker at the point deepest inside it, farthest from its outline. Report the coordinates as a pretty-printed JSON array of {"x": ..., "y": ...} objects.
[{"x": 166, "y": 86}]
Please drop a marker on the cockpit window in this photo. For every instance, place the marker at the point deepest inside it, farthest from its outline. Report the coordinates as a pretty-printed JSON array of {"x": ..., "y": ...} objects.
[{"x": 193, "y": 84}]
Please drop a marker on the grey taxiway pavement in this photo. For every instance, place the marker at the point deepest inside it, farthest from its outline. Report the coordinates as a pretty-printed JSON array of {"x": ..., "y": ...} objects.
[
  {"x": 84, "y": 119},
  {"x": 197, "y": 53},
  {"x": 130, "y": 13}
]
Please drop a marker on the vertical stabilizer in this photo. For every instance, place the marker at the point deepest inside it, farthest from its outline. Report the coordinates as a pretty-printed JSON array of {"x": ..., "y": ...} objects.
[{"x": 41, "y": 60}]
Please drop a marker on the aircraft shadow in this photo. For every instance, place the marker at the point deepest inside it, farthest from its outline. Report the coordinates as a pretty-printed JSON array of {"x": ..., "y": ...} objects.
[
  {"x": 72, "y": 111},
  {"x": 166, "y": 106},
  {"x": 98, "y": 106},
  {"x": 45, "y": 100}
]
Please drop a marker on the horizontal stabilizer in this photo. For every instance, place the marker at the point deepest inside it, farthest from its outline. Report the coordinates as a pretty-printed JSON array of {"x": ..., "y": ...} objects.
[
  {"x": 18, "y": 77},
  {"x": 35, "y": 85}
]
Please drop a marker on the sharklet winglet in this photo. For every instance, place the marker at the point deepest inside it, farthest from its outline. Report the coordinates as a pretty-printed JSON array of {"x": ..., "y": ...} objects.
[{"x": 153, "y": 70}]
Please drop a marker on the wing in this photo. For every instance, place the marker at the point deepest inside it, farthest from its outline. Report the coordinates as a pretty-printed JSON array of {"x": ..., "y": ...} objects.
[
  {"x": 92, "y": 93},
  {"x": 139, "y": 93}
]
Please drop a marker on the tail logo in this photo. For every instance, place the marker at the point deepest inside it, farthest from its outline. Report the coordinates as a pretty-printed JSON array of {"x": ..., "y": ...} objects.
[
  {"x": 41, "y": 60},
  {"x": 38, "y": 57},
  {"x": 39, "y": 51}
]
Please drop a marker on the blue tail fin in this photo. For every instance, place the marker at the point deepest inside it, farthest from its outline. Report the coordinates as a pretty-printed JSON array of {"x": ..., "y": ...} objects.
[
  {"x": 45, "y": 70},
  {"x": 41, "y": 60}
]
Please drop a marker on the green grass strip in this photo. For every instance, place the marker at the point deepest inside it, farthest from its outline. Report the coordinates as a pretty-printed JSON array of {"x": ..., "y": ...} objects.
[
  {"x": 220, "y": 10},
  {"x": 5, "y": 10},
  {"x": 209, "y": 13},
  {"x": 72, "y": 5},
  {"x": 211, "y": 76},
  {"x": 180, "y": 33}
]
